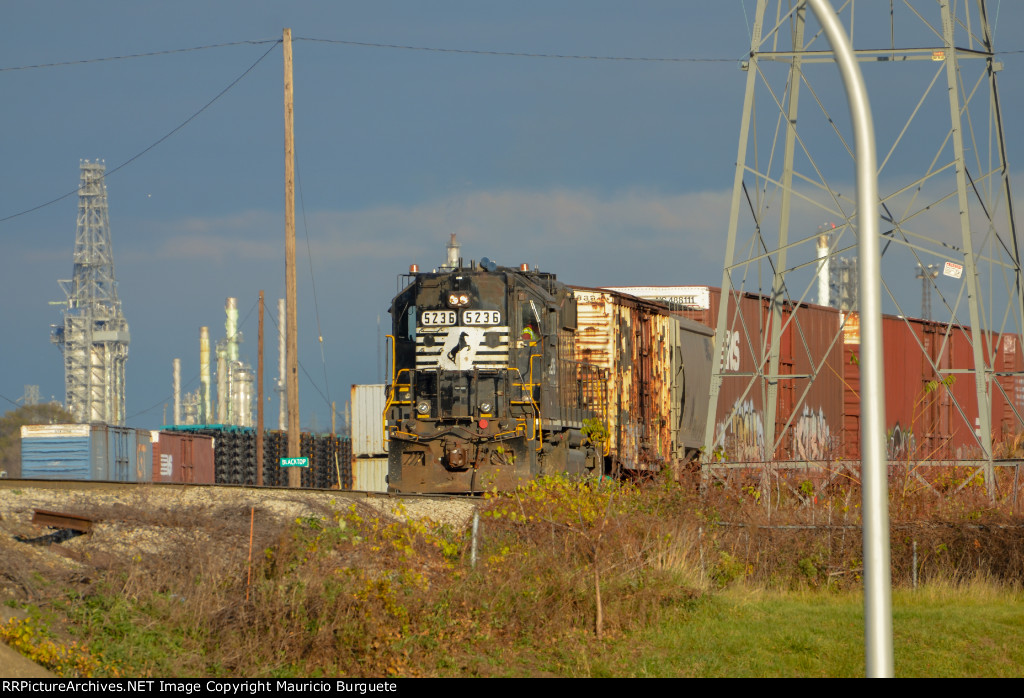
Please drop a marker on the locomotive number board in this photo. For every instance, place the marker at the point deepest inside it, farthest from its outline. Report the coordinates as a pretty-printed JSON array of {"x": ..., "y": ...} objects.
[
  {"x": 436, "y": 318},
  {"x": 481, "y": 317}
]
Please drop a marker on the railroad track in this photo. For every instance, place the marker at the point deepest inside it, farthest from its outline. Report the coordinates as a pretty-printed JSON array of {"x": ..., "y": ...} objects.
[
  {"x": 20, "y": 498},
  {"x": 110, "y": 486}
]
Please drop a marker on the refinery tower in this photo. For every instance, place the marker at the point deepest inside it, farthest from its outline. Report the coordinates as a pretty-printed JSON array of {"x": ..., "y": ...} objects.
[{"x": 94, "y": 335}]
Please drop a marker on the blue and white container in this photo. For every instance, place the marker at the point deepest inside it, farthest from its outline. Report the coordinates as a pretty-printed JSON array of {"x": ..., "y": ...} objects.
[{"x": 95, "y": 452}]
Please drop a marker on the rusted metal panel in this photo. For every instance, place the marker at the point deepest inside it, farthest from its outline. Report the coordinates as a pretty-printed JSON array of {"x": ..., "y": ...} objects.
[
  {"x": 183, "y": 457},
  {"x": 56, "y": 519},
  {"x": 633, "y": 342},
  {"x": 370, "y": 474}
]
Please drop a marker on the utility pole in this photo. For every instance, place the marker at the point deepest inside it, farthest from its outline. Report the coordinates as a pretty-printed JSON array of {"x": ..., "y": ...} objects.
[
  {"x": 259, "y": 400},
  {"x": 294, "y": 435}
]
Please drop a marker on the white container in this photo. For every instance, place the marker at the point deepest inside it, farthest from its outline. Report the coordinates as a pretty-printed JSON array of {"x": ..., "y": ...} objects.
[
  {"x": 367, "y": 420},
  {"x": 370, "y": 474}
]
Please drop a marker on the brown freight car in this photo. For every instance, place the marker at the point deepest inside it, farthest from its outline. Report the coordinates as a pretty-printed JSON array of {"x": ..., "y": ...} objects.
[
  {"x": 931, "y": 400},
  {"x": 182, "y": 457},
  {"x": 931, "y": 403},
  {"x": 809, "y": 406}
]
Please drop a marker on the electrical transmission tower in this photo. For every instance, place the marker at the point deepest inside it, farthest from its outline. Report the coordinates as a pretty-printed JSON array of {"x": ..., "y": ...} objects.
[
  {"x": 94, "y": 336},
  {"x": 944, "y": 195}
]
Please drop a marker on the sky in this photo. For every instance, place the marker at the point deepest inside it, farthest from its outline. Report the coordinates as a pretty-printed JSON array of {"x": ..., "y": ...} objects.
[{"x": 605, "y": 172}]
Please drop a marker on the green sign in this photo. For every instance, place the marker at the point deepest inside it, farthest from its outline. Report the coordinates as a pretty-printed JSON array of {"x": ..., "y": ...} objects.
[{"x": 294, "y": 462}]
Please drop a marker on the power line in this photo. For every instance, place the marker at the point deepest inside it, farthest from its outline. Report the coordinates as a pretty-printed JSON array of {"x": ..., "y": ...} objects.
[
  {"x": 163, "y": 401},
  {"x": 519, "y": 54},
  {"x": 156, "y": 143},
  {"x": 558, "y": 56},
  {"x": 312, "y": 278},
  {"x": 195, "y": 377},
  {"x": 405, "y": 47},
  {"x": 136, "y": 55},
  {"x": 309, "y": 377}
]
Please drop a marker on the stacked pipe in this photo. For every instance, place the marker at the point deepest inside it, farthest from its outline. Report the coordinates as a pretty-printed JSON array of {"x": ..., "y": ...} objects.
[{"x": 235, "y": 457}]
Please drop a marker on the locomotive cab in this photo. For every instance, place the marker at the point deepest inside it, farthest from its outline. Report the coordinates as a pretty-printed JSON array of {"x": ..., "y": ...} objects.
[{"x": 485, "y": 391}]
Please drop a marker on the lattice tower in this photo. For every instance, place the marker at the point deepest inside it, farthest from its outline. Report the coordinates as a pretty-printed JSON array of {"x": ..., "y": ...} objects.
[
  {"x": 94, "y": 336},
  {"x": 944, "y": 198}
]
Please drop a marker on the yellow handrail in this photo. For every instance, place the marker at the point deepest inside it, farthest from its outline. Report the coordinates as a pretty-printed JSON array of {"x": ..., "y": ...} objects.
[
  {"x": 391, "y": 392},
  {"x": 391, "y": 400},
  {"x": 539, "y": 418}
]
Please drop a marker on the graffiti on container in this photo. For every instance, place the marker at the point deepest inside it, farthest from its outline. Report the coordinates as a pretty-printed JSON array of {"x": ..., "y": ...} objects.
[
  {"x": 742, "y": 436},
  {"x": 731, "y": 352},
  {"x": 812, "y": 438},
  {"x": 899, "y": 443}
]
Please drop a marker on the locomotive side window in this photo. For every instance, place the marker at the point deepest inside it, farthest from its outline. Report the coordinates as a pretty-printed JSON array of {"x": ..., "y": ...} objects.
[
  {"x": 530, "y": 315},
  {"x": 410, "y": 319}
]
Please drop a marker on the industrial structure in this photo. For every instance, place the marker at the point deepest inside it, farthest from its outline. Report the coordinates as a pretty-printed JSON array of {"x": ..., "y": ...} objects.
[
  {"x": 235, "y": 396},
  {"x": 944, "y": 199},
  {"x": 94, "y": 335}
]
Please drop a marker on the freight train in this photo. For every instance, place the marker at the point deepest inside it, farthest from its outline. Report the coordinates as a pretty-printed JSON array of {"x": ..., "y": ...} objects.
[{"x": 502, "y": 374}]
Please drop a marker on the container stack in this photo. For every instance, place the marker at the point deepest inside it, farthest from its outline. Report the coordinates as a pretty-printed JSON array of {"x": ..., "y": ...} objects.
[{"x": 330, "y": 458}]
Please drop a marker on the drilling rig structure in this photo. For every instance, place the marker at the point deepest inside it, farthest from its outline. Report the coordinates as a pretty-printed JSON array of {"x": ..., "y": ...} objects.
[{"x": 94, "y": 336}]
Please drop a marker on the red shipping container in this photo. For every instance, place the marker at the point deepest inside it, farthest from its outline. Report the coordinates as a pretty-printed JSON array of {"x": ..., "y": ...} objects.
[{"x": 182, "y": 457}]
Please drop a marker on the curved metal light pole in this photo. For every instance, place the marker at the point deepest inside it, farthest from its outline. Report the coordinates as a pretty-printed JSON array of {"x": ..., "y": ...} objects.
[{"x": 874, "y": 477}]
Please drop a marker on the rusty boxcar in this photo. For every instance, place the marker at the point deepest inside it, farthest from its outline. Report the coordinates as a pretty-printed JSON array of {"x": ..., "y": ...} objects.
[{"x": 655, "y": 366}]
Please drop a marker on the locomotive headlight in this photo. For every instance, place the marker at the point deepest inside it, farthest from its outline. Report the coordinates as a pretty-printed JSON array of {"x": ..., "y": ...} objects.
[
  {"x": 458, "y": 299},
  {"x": 485, "y": 407},
  {"x": 423, "y": 407}
]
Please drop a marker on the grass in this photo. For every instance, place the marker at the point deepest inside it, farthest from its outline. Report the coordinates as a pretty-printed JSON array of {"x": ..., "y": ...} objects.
[
  {"x": 574, "y": 579},
  {"x": 938, "y": 632}
]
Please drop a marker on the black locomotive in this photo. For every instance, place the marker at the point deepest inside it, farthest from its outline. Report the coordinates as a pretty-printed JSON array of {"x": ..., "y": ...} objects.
[{"x": 494, "y": 381}]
